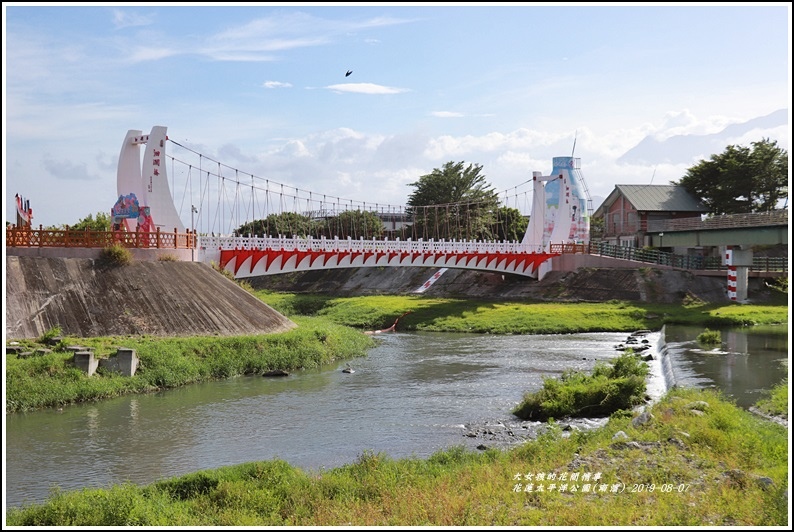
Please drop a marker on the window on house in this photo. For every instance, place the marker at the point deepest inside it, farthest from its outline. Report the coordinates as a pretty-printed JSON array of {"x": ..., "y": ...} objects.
[{"x": 631, "y": 220}]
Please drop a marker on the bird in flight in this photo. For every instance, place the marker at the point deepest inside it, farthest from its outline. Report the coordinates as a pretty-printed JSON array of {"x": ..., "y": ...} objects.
[{"x": 348, "y": 73}]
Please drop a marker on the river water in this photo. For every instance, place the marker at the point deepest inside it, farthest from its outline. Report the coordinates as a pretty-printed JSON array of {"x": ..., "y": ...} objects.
[{"x": 412, "y": 395}]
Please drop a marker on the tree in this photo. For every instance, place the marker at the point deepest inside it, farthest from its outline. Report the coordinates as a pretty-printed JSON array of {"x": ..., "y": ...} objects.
[
  {"x": 597, "y": 226},
  {"x": 284, "y": 224},
  {"x": 102, "y": 222},
  {"x": 453, "y": 203},
  {"x": 511, "y": 225},
  {"x": 354, "y": 224},
  {"x": 740, "y": 179}
]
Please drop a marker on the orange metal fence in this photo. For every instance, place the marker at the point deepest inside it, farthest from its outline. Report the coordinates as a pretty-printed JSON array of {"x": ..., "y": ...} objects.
[{"x": 69, "y": 238}]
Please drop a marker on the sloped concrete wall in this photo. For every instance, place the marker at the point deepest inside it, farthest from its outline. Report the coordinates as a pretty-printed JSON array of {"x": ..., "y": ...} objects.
[{"x": 159, "y": 298}]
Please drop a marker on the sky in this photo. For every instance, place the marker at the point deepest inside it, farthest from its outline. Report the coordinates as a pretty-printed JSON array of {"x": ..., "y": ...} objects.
[{"x": 639, "y": 92}]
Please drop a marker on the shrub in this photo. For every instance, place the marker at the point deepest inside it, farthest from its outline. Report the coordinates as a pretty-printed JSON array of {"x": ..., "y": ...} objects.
[
  {"x": 780, "y": 284},
  {"x": 115, "y": 255},
  {"x": 709, "y": 337},
  {"x": 607, "y": 390},
  {"x": 53, "y": 332},
  {"x": 223, "y": 271},
  {"x": 167, "y": 257},
  {"x": 245, "y": 285},
  {"x": 774, "y": 402}
]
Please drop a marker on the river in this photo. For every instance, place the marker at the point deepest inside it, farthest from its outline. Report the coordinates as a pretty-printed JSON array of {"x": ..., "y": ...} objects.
[{"x": 412, "y": 395}]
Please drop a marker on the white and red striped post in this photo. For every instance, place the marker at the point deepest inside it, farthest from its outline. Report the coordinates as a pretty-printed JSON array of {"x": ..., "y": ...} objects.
[{"x": 731, "y": 273}]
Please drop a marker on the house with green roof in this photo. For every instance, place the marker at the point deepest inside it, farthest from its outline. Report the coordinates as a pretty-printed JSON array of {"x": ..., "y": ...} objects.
[{"x": 628, "y": 209}]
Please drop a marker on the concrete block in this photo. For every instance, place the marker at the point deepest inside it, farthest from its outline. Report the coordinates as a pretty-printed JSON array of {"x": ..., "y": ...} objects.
[
  {"x": 125, "y": 362},
  {"x": 78, "y": 348},
  {"x": 85, "y": 361},
  {"x": 14, "y": 349}
]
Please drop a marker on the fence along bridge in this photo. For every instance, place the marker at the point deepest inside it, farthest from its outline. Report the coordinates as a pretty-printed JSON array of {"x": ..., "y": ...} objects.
[{"x": 286, "y": 229}]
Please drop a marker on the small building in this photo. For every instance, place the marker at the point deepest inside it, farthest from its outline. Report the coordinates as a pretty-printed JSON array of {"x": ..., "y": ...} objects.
[
  {"x": 394, "y": 222},
  {"x": 628, "y": 209}
]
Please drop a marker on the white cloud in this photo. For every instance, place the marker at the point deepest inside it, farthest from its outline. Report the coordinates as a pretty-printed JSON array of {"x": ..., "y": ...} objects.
[
  {"x": 365, "y": 88},
  {"x": 686, "y": 123},
  {"x": 781, "y": 134},
  {"x": 446, "y": 114},
  {"x": 149, "y": 53},
  {"x": 284, "y": 31},
  {"x": 67, "y": 170},
  {"x": 276, "y": 85},
  {"x": 126, "y": 19}
]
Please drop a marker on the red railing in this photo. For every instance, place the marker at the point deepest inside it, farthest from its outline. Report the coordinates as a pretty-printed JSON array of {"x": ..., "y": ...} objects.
[
  {"x": 69, "y": 238},
  {"x": 569, "y": 248}
]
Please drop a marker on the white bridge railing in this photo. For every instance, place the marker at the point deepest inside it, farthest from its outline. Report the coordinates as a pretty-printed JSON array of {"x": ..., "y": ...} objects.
[{"x": 213, "y": 243}]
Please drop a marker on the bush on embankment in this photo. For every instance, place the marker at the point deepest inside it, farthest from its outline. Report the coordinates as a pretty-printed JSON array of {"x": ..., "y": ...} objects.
[
  {"x": 699, "y": 461},
  {"x": 511, "y": 317},
  {"x": 609, "y": 388},
  {"x": 52, "y": 379}
]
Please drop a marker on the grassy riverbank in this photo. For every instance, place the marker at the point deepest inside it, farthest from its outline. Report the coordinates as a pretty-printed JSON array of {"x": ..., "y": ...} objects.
[
  {"x": 51, "y": 380},
  {"x": 501, "y": 317},
  {"x": 698, "y": 461}
]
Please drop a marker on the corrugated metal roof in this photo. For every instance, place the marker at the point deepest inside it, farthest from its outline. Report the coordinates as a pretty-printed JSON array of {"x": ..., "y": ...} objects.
[{"x": 661, "y": 198}]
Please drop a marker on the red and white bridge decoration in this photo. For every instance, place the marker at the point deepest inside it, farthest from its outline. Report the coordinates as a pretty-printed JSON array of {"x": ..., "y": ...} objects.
[{"x": 253, "y": 256}]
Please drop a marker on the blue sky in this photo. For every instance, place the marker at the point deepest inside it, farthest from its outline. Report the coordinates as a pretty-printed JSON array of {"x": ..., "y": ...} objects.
[{"x": 262, "y": 88}]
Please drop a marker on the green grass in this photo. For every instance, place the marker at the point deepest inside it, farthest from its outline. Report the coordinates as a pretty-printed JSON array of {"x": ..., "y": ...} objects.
[
  {"x": 709, "y": 337},
  {"x": 723, "y": 467},
  {"x": 500, "y": 317},
  {"x": 51, "y": 380},
  {"x": 49, "y": 335},
  {"x": 775, "y": 401},
  {"x": 607, "y": 389}
]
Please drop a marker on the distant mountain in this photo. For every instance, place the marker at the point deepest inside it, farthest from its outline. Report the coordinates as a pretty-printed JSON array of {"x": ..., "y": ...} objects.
[{"x": 682, "y": 149}]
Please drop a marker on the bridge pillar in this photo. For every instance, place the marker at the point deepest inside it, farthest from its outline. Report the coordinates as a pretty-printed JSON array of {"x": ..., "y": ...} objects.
[{"x": 739, "y": 262}]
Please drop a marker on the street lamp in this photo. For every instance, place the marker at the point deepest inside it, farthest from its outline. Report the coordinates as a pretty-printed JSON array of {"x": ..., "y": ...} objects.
[
  {"x": 193, "y": 210},
  {"x": 660, "y": 239}
]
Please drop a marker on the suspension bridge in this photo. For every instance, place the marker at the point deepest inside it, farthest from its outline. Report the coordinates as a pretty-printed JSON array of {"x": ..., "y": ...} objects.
[{"x": 252, "y": 225}]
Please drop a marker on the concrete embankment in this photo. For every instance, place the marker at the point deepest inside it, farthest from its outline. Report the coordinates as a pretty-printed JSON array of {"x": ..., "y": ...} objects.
[
  {"x": 175, "y": 298},
  {"x": 85, "y": 298},
  {"x": 583, "y": 284}
]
